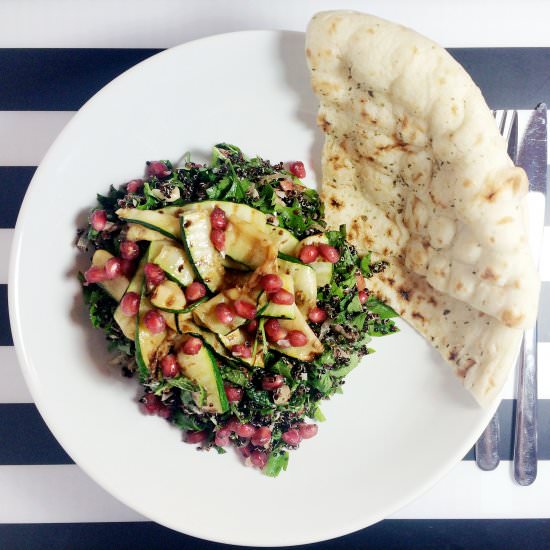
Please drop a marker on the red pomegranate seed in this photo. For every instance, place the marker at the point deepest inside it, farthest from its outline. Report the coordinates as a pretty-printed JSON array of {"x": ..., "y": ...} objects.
[
  {"x": 309, "y": 253},
  {"x": 191, "y": 346},
  {"x": 283, "y": 343},
  {"x": 274, "y": 330},
  {"x": 98, "y": 220},
  {"x": 282, "y": 297},
  {"x": 307, "y": 431},
  {"x": 169, "y": 365},
  {"x": 128, "y": 267},
  {"x": 221, "y": 440},
  {"x": 272, "y": 382},
  {"x": 252, "y": 327},
  {"x": 271, "y": 283},
  {"x": 218, "y": 219},
  {"x": 95, "y": 274},
  {"x": 195, "y": 291},
  {"x": 297, "y": 169},
  {"x": 245, "y": 451},
  {"x": 262, "y": 437},
  {"x": 224, "y": 314},
  {"x": 154, "y": 321},
  {"x": 292, "y": 437},
  {"x": 224, "y": 431},
  {"x": 129, "y": 250},
  {"x": 157, "y": 169},
  {"x": 154, "y": 274},
  {"x": 217, "y": 236},
  {"x": 234, "y": 395},
  {"x": 317, "y": 315},
  {"x": 151, "y": 403},
  {"x": 241, "y": 350},
  {"x": 233, "y": 424},
  {"x": 258, "y": 458},
  {"x": 164, "y": 411},
  {"x": 296, "y": 338},
  {"x": 363, "y": 296},
  {"x": 246, "y": 430},
  {"x": 129, "y": 305},
  {"x": 134, "y": 186},
  {"x": 244, "y": 309},
  {"x": 113, "y": 268},
  {"x": 329, "y": 253},
  {"x": 196, "y": 437}
]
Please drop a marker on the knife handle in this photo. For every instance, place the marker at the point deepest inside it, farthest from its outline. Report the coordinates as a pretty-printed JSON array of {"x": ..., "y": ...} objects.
[
  {"x": 525, "y": 444},
  {"x": 486, "y": 447}
]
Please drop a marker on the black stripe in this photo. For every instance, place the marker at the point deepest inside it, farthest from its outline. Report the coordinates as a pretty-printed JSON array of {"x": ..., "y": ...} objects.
[
  {"x": 14, "y": 181},
  {"x": 5, "y": 329},
  {"x": 30, "y": 441},
  {"x": 425, "y": 534},
  {"x": 63, "y": 79}
]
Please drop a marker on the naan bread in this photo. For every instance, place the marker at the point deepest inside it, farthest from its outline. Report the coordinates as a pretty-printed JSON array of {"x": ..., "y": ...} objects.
[{"x": 415, "y": 167}]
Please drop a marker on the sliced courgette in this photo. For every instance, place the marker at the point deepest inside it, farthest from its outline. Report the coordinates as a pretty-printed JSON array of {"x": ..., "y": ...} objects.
[
  {"x": 233, "y": 210},
  {"x": 230, "y": 263},
  {"x": 173, "y": 260},
  {"x": 285, "y": 240},
  {"x": 203, "y": 370},
  {"x": 169, "y": 297},
  {"x": 206, "y": 260},
  {"x": 239, "y": 336},
  {"x": 164, "y": 220},
  {"x": 128, "y": 323},
  {"x": 248, "y": 243},
  {"x": 305, "y": 283},
  {"x": 114, "y": 287},
  {"x": 281, "y": 311},
  {"x": 138, "y": 232},
  {"x": 323, "y": 269}
]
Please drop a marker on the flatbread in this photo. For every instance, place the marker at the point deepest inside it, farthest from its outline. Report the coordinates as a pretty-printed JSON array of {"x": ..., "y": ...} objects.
[{"x": 415, "y": 167}]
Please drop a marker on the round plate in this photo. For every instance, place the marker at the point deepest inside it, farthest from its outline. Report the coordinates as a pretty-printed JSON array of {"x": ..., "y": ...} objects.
[{"x": 402, "y": 420}]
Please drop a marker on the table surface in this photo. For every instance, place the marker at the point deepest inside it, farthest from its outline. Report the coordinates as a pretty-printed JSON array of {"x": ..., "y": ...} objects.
[{"x": 54, "y": 56}]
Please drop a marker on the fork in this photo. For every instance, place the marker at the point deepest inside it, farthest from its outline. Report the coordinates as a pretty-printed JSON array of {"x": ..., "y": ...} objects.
[{"x": 486, "y": 447}]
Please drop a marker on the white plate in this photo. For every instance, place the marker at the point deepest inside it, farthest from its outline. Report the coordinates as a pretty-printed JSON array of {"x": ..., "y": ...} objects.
[{"x": 402, "y": 421}]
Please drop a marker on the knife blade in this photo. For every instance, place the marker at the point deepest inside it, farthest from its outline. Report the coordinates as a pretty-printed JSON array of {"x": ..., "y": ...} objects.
[{"x": 533, "y": 158}]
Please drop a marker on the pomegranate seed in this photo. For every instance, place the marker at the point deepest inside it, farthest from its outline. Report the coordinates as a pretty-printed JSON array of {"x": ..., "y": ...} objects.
[
  {"x": 245, "y": 451},
  {"x": 224, "y": 431},
  {"x": 129, "y": 250},
  {"x": 233, "y": 424},
  {"x": 151, "y": 403},
  {"x": 282, "y": 297},
  {"x": 154, "y": 274},
  {"x": 271, "y": 283},
  {"x": 218, "y": 219},
  {"x": 283, "y": 343},
  {"x": 129, "y": 305},
  {"x": 158, "y": 169},
  {"x": 154, "y": 322},
  {"x": 272, "y": 382},
  {"x": 252, "y": 327},
  {"x": 244, "y": 309},
  {"x": 164, "y": 411},
  {"x": 292, "y": 437},
  {"x": 286, "y": 185},
  {"x": 98, "y": 220},
  {"x": 224, "y": 314},
  {"x": 113, "y": 268},
  {"x": 262, "y": 437},
  {"x": 307, "y": 431},
  {"x": 221, "y": 440},
  {"x": 95, "y": 274},
  {"x": 274, "y": 330},
  {"x": 128, "y": 267},
  {"x": 191, "y": 346},
  {"x": 297, "y": 169},
  {"x": 241, "y": 350},
  {"x": 309, "y": 253},
  {"x": 170, "y": 367},
  {"x": 296, "y": 338},
  {"x": 234, "y": 395},
  {"x": 134, "y": 186},
  {"x": 246, "y": 430},
  {"x": 195, "y": 291},
  {"x": 196, "y": 437},
  {"x": 317, "y": 315},
  {"x": 329, "y": 253},
  {"x": 217, "y": 236},
  {"x": 258, "y": 458},
  {"x": 363, "y": 296}
]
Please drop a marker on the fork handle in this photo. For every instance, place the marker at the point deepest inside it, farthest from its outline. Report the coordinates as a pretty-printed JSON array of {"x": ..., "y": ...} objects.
[
  {"x": 486, "y": 447},
  {"x": 525, "y": 444}
]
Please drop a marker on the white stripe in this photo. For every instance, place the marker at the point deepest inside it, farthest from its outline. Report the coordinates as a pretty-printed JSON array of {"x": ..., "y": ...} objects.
[
  {"x": 6, "y": 238},
  {"x": 127, "y": 23},
  {"x": 468, "y": 492},
  {"x": 13, "y": 388},
  {"x": 27, "y": 135}
]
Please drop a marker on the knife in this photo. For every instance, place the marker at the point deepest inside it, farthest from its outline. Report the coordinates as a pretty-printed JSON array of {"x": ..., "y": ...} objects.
[
  {"x": 486, "y": 447},
  {"x": 533, "y": 158}
]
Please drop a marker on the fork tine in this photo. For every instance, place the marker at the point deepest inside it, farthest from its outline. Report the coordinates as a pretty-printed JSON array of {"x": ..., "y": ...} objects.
[{"x": 502, "y": 123}]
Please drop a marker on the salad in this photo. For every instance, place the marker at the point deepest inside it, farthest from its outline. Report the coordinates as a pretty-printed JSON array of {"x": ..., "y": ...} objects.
[{"x": 221, "y": 288}]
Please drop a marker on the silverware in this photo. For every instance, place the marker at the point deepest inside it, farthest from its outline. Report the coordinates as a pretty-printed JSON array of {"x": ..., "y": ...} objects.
[
  {"x": 532, "y": 157},
  {"x": 486, "y": 447}
]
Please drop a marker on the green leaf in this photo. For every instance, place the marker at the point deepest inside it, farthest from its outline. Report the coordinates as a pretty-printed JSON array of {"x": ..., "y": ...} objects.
[
  {"x": 365, "y": 265},
  {"x": 355, "y": 305},
  {"x": 322, "y": 383},
  {"x": 276, "y": 463},
  {"x": 344, "y": 371},
  {"x": 380, "y": 308},
  {"x": 235, "y": 376},
  {"x": 318, "y": 414},
  {"x": 283, "y": 367},
  {"x": 188, "y": 423},
  {"x": 358, "y": 321}
]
